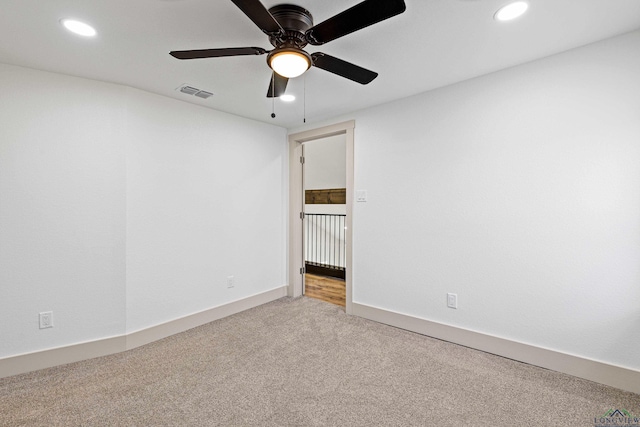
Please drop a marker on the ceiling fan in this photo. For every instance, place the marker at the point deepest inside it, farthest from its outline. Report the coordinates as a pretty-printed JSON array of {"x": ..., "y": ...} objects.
[{"x": 290, "y": 28}]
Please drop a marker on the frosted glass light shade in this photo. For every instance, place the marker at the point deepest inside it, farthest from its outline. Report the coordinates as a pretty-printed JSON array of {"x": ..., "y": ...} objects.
[{"x": 289, "y": 63}]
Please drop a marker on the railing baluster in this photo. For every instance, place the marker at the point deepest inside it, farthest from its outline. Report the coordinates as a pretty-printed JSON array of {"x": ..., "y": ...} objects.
[
  {"x": 325, "y": 241},
  {"x": 332, "y": 261},
  {"x": 339, "y": 238}
]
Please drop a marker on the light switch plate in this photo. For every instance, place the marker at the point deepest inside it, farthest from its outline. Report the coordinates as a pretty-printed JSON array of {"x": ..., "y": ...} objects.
[{"x": 361, "y": 195}]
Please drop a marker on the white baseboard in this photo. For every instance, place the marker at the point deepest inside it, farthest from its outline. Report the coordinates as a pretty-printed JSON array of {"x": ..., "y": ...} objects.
[
  {"x": 14, "y": 365},
  {"x": 603, "y": 373},
  {"x": 19, "y": 364}
]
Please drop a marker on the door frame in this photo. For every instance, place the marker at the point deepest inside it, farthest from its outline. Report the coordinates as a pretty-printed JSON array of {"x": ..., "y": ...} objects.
[{"x": 295, "y": 259}]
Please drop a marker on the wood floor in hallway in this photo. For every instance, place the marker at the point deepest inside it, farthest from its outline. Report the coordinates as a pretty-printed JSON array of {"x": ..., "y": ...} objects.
[{"x": 324, "y": 288}]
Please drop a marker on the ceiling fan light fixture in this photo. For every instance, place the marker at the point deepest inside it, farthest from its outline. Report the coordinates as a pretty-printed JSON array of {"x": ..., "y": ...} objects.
[
  {"x": 511, "y": 11},
  {"x": 289, "y": 62},
  {"x": 78, "y": 27}
]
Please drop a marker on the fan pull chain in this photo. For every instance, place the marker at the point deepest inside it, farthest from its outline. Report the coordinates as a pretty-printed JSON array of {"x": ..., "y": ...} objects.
[
  {"x": 273, "y": 94},
  {"x": 304, "y": 99}
]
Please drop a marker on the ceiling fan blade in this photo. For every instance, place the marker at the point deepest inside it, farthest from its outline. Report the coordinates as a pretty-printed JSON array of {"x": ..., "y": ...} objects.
[
  {"x": 277, "y": 85},
  {"x": 356, "y": 18},
  {"x": 217, "y": 53},
  {"x": 343, "y": 68},
  {"x": 259, "y": 15}
]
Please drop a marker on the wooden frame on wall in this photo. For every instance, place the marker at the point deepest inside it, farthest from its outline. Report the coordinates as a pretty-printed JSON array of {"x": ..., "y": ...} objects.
[{"x": 329, "y": 196}]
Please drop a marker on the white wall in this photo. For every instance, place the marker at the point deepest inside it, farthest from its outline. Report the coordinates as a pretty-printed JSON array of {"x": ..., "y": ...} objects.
[
  {"x": 324, "y": 168},
  {"x": 519, "y": 191},
  {"x": 62, "y": 209},
  {"x": 325, "y": 163},
  {"x": 204, "y": 202},
  {"x": 121, "y": 210}
]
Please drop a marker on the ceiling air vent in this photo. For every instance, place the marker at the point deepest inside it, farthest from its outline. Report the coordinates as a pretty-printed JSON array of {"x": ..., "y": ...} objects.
[
  {"x": 203, "y": 94},
  {"x": 190, "y": 90}
]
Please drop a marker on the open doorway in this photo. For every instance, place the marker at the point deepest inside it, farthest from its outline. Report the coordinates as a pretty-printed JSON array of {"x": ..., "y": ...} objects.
[
  {"x": 297, "y": 251},
  {"x": 325, "y": 211}
]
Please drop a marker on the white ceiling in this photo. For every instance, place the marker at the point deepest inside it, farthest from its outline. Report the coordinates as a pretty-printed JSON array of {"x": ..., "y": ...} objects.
[{"x": 433, "y": 44}]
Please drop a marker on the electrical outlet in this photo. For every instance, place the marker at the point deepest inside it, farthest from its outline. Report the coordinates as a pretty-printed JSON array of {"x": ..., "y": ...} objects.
[
  {"x": 46, "y": 319},
  {"x": 231, "y": 282},
  {"x": 452, "y": 300}
]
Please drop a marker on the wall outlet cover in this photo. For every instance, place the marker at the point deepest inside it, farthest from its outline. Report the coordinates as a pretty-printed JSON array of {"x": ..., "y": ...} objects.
[{"x": 46, "y": 319}]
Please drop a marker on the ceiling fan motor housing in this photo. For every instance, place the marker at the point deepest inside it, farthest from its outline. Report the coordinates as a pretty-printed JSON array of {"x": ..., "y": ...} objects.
[{"x": 295, "y": 21}]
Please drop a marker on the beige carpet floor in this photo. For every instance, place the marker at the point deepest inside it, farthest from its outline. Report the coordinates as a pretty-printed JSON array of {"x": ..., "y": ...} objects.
[{"x": 303, "y": 362}]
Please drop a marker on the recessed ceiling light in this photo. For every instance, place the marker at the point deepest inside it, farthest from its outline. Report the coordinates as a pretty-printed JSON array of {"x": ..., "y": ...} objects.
[
  {"x": 287, "y": 98},
  {"x": 511, "y": 11},
  {"x": 78, "y": 27}
]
